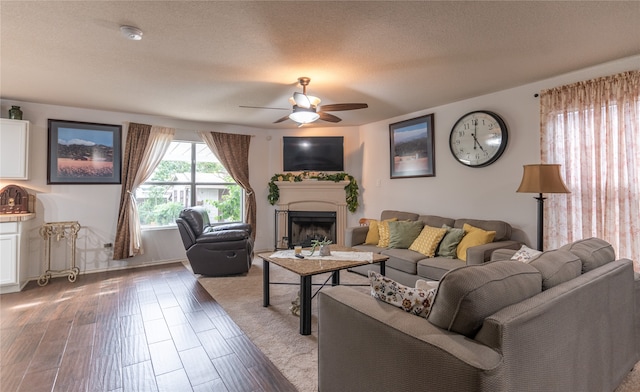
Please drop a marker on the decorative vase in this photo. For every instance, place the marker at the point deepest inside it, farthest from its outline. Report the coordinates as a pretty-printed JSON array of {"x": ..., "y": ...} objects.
[
  {"x": 325, "y": 250},
  {"x": 15, "y": 113}
]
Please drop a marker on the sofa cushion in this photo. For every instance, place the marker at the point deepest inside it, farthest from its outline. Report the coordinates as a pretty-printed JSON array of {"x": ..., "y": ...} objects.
[
  {"x": 368, "y": 248},
  {"x": 435, "y": 268},
  {"x": 403, "y": 233},
  {"x": 467, "y": 295},
  {"x": 373, "y": 234},
  {"x": 557, "y": 266},
  {"x": 416, "y": 301},
  {"x": 473, "y": 236},
  {"x": 428, "y": 240},
  {"x": 436, "y": 221},
  {"x": 593, "y": 252},
  {"x": 449, "y": 243},
  {"x": 404, "y": 260},
  {"x": 502, "y": 229},
  {"x": 399, "y": 215}
]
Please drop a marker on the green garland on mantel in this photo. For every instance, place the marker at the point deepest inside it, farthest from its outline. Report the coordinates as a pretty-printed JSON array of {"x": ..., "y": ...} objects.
[{"x": 351, "y": 189}]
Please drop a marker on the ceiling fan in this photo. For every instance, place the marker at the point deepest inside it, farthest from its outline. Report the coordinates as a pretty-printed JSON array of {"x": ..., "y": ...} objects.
[{"x": 306, "y": 108}]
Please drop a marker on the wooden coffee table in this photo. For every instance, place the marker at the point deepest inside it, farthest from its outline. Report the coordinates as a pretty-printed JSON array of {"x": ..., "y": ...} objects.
[{"x": 308, "y": 267}]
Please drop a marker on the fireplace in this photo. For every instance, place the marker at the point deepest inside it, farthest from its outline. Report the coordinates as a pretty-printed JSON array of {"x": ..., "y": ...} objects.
[
  {"x": 306, "y": 226},
  {"x": 324, "y": 199}
]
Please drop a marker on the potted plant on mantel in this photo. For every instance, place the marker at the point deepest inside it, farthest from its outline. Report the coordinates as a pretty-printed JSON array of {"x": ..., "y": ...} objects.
[{"x": 351, "y": 188}]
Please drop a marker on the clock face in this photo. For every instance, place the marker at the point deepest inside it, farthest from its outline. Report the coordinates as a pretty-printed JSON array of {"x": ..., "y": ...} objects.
[{"x": 478, "y": 138}]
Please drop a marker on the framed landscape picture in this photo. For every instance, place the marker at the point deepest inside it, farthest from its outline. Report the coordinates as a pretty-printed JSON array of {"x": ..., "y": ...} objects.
[
  {"x": 83, "y": 153},
  {"x": 412, "y": 148}
]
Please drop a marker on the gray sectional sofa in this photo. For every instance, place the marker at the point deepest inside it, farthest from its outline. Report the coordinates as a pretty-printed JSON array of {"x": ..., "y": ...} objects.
[
  {"x": 406, "y": 266},
  {"x": 567, "y": 321}
]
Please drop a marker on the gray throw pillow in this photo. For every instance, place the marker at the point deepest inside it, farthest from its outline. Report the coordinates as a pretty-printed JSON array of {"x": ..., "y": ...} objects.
[
  {"x": 594, "y": 252},
  {"x": 450, "y": 242},
  {"x": 402, "y": 233},
  {"x": 557, "y": 266},
  {"x": 467, "y": 295}
]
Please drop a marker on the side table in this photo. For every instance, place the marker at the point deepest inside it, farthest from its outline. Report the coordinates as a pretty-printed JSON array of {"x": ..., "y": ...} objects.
[{"x": 59, "y": 231}]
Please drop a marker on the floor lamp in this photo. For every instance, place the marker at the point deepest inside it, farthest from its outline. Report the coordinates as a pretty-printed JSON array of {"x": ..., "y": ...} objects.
[{"x": 542, "y": 178}]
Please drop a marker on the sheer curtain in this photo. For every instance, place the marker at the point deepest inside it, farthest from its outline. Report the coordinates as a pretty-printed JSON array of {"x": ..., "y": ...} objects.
[
  {"x": 592, "y": 129},
  {"x": 233, "y": 152},
  {"x": 145, "y": 148}
]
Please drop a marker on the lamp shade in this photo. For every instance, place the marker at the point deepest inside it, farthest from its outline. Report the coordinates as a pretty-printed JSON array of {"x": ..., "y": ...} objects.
[{"x": 542, "y": 178}]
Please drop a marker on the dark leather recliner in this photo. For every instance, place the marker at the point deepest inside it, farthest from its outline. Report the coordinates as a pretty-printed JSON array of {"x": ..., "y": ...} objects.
[{"x": 215, "y": 250}]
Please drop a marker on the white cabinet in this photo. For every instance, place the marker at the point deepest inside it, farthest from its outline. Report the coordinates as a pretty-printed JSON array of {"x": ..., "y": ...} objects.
[
  {"x": 14, "y": 149},
  {"x": 8, "y": 259},
  {"x": 13, "y": 252}
]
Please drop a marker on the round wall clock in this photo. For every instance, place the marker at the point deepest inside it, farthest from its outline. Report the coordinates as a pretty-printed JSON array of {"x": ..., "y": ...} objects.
[{"x": 478, "y": 138}]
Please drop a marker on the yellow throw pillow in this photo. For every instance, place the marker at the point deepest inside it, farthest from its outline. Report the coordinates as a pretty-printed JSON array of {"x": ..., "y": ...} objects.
[
  {"x": 428, "y": 240},
  {"x": 384, "y": 233},
  {"x": 372, "y": 235},
  {"x": 473, "y": 236}
]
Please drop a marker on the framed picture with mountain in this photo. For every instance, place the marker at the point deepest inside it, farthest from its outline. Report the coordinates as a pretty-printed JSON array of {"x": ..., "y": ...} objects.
[
  {"x": 412, "y": 148},
  {"x": 84, "y": 153}
]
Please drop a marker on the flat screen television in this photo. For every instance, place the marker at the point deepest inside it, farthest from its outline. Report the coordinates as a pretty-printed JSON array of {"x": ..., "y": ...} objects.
[{"x": 313, "y": 153}]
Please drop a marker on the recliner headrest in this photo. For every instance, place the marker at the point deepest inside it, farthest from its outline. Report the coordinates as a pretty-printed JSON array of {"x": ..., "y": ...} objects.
[{"x": 197, "y": 217}]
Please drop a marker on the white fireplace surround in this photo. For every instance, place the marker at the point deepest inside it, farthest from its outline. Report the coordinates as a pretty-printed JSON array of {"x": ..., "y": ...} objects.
[{"x": 311, "y": 195}]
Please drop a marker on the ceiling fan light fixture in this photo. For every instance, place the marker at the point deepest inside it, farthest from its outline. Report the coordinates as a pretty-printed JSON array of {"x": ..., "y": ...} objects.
[
  {"x": 304, "y": 115},
  {"x": 304, "y": 100},
  {"x": 132, "y": 33},
  {"x": 315, "y": 101}
]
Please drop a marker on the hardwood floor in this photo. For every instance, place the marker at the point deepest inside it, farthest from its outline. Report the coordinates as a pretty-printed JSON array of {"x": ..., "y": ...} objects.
[{"x": 144, "y": 329}]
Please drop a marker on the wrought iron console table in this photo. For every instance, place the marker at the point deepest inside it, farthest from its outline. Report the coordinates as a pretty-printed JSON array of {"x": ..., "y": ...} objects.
[{"x": 59, "y": 231}]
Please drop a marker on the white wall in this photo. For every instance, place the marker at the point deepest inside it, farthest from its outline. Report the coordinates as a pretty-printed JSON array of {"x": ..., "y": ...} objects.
[
  {"x": 455, "y": 191},
  {"x": 95, "y": 207},
  {"x": 352, "y": 165},
  {"x": 458, "y": 191}
]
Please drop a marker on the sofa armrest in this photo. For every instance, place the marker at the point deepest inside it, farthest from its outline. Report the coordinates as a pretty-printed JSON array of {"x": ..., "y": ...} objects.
[
  {"x": 222, "y": 236},
  {"x": 230, "y": 226},
  {"x": 355, "y": 235},
  {"x": 502, "y": 254},
  {"x": 481, "y": 253},
  {"x": 356, "y": 332}
]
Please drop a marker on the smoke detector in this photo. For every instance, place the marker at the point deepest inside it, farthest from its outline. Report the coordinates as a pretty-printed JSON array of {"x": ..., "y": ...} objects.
[{"x": 132, "y": 33}]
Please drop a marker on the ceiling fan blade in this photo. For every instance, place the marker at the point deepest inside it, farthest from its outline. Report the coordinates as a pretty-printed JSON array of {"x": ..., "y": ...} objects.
[
  {"x": 335, "y": 107},
  {"x": 301, "y": 100},
  {"x": 263, "y": 107},
  {"x": 329, "y": 117},
  {"x": 281, "y": 119}
]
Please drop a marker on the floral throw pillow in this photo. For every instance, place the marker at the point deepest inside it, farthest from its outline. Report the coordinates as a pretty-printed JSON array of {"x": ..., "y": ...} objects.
[
  {"x": 412, "y": 300},
  {"x": 525, "y": 254}
]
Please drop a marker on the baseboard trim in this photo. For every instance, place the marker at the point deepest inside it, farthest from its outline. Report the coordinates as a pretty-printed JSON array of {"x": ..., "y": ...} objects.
[{"x": 143, "y": 265}]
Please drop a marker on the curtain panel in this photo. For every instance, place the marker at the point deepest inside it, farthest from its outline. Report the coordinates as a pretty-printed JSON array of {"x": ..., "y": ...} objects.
[
  {"x": 144, "y": 150},
  {"x": 232, "y": 150},
  {"x": 592, "y": 129}
]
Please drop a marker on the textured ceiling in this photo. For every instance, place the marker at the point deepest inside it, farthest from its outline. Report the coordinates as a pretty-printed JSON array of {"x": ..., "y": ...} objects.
[{"x": 201, "y": 60}]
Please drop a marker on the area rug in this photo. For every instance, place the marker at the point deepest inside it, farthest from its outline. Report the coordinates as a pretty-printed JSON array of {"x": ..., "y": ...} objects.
[{"x": 274, "y": 329}]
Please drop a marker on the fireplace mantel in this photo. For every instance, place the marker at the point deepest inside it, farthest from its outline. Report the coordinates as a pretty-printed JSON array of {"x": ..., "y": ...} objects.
[
  {"x": 312, "y": 191},
  {"x": 313, "y": 195}
]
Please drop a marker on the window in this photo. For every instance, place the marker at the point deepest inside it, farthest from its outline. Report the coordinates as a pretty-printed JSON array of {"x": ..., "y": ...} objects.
[
  {"x": 189, "y": 174},
  {"x": 592, "y": 129}
]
